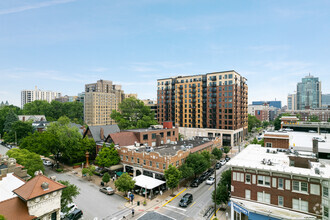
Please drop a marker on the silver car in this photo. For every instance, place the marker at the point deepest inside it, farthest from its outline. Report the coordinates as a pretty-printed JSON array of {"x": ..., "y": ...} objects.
[{"x": 107, "y": 190}]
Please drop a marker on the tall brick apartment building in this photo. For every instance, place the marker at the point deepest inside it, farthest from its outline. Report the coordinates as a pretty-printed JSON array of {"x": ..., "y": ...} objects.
[
  {"x": 269, "y": 183},
  {"x": 214, "y": 100}
]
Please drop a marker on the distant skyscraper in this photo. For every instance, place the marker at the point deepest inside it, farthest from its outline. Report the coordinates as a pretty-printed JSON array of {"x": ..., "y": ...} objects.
[
  {"x": 28, "y": 96},
  {"x": 100, "y": 99},
  {"x": 276, "y": 104},
  {"x": 325, "y": 100},
  {"x": 309, "y": 93},
  {"x": 292, "y": 102}
]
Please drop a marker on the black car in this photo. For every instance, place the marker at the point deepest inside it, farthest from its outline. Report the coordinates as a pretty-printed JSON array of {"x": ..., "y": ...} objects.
[
  {"x": 186, "y": 200},
  {"x": 204, "y": 176},
  {"x": 227, "y": 158},
  {"x": 217, "y": 165},
  {"x": 75, "y": 215},
  {"x": 195, "y": 183},
  {"x": 210, "y": 171}
]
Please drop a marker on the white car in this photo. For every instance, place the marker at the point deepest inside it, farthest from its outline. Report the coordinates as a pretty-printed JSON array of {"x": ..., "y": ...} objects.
[
  {"x": 223, "y": 162},
  {"x": 70, "y": 208},
  {"x": 210, "y": 180},
  {"x": 47, "y": 163},
  {"x": 319, "y": 139}
]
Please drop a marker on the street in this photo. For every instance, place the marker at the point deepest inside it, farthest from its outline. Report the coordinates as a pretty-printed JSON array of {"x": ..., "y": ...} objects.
[
  {"x": 201, "y": 202},
  {"x": 91, "y": 201}
]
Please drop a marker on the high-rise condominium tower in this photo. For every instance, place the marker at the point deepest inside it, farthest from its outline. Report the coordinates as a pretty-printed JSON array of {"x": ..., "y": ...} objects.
[
  {"x": 214, "y": 100},
  {"x": 100, "y": 99},
  {"x": 309, "y": 93},
  {"x": 28, "y": 96}
]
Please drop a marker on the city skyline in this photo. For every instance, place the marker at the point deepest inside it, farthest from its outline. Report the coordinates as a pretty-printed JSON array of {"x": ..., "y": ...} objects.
[{"x": 62, "y": 45}]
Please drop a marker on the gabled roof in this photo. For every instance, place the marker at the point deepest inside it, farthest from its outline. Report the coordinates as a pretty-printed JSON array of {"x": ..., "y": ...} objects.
[
  {"x": 15, "y": 209},
  {"x": 8, "y": 184},
  {"x": 33, "y": 189},
  {"x": 125, "y": 138},
  {"x": 96, "y": 131}
]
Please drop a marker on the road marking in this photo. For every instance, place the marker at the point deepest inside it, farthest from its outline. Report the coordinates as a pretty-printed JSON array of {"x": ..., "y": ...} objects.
[
  {"x": 210, "y": 187},
  {"x": 214, "y": 213},
  {"x": 166, "y": 215},
  {"x": 192, "y": 205},
  {"x": 174, "y": 197},
  {"x": 177, "y": 208},
  {"x": 180, "y": 213}
]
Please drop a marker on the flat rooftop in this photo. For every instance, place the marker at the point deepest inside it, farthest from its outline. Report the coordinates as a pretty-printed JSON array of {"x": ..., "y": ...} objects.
[
  {"x": 252, "y": 156},
  {"x": 172, "y": 149},
  {"x": 7, "y": 185}
]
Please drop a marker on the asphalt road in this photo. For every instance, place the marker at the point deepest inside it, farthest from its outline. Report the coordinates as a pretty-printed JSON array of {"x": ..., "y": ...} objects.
[
  {"x": 201, "y": 202},
  {"x": 91, "y": 201}
]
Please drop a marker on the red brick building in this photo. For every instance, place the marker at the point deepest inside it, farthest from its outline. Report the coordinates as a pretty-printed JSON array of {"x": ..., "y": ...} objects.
[
  {"x": 277, "y": 140},
  {"x": 286, "y": 186}
]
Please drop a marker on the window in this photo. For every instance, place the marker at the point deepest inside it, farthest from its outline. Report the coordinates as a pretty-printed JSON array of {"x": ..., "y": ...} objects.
[
  {"x": 280, "y": 183},
  {"x": 144, "y": 162},
  {"x": 145, "y": 137},
  {"x": 274, "y": 182},
  {"x": 177, "y": 163},
  {"x": 287, "y": 184},
  {"x": 263, "y": 197},
  {"x": 150, "y": 163},
  {"x": 164, "y": 166},
  {"x": 153, "y": 136},
  {"x": 280, "y": 201},
  {"x": 299, "y": 186},
  {"x": 325, "y": 192},
  {"x": 268, "y": 144},
  {"x": 138, "y": 160},
  {"x": 248, "y": 194},
  {"x": 132, "y": 159},
  {"x": 161, "y": 134},
  {"x": 234, "y": 176},
  {"x": 157, "y": 165},
  {"x": 248, "y": 178},
  {"x": 126, "y": 158},
  {"x": 121, "y": 157},
  {"x": 264, "y": 180},
  {"x": 299, "y": 204},
  {"x": 168, "y": 134},
  {"x": 325, "y": 211}
]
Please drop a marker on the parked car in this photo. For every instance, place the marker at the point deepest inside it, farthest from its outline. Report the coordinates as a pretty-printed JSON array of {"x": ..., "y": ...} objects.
[
  {"x": 223, "y": 162},
  {"x": 210, "y": 171},
  {"x": 75, "y": 215},
  {"x": 312, "y": 131},
  {"x": 70, "y": 208},
  {"x": 47, "y": 163},
  {"x": 100, "y": 171},
  {"x": 204, "y": 176},
  {"x": 319, "y": 139},
  {"x": 107, "y": 190},
  {"x": 227, "y": 158},
  {"x": 195, "y": 182},
  {"x": 210, "y": 180},
  {"x": 186, "y": 200},
  {"x": 218, "y": 165}
]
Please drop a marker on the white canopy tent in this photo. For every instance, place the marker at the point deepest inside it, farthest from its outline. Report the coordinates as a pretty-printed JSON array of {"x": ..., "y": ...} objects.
[{"x": 147, "y": 182}]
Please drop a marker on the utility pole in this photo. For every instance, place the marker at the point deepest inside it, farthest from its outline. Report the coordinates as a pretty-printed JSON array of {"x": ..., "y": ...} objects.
[{"x": 215, "y": 189}]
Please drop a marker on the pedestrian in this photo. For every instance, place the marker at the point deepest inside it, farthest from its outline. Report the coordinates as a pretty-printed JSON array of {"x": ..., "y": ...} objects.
[
  {"x": 132, "y": 212},
  {"x": 113, "y": 178}
]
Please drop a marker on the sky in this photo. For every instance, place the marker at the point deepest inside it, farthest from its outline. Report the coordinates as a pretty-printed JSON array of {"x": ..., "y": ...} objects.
[{"x": 61, "y": 45}]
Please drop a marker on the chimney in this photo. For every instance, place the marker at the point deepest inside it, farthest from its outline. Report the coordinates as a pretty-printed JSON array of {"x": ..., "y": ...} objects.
[
  {"x": 158, "y": 140},
  {"x": 101, "y": 133},
  {"x": 316, "y": 147}
]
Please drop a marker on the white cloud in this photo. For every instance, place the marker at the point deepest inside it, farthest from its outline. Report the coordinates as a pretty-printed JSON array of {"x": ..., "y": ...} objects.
[
  {"x": 99, "y": 69},
  {"x": 33, "y": 6}
]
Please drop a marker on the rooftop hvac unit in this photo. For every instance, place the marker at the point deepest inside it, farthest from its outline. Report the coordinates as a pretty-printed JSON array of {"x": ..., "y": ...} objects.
[{"x": 317, "y": 170}]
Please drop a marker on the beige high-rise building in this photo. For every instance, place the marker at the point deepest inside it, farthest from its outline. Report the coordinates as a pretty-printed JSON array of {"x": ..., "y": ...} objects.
[{"x": 100, "y": 99}]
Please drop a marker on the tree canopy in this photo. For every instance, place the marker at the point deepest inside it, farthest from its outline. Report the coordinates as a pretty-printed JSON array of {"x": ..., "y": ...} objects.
[
  {"x": 108, "y": 156},
  {"x": 4, "y": 110},
  {"x": 197, "y": 162},
  {"x": 223, "y": 188},
  {"x": 125, "y": 183},
  {"x": 133, "y": 114},
  {"x": 11, "y": 118},
  {"x": 253, "y": 122},
  {"x": 31, "y": 161},
  {"x": 20, "y": 130},
  {"x": 68, "y": 194},
  {"x": 314, "y": 118},
  {"x": 217, "y": 153},
  {"x": 172, "y": 176},
  {"x": 186, "y": 171},
  {"x": 106, "y": 178}
]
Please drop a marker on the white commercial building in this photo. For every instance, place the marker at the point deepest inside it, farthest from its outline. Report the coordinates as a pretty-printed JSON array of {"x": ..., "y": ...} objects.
[{"x": 28, "y": 96}]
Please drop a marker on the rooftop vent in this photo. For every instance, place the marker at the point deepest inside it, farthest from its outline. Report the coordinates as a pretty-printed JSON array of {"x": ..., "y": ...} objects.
[
  {"x": 45, "y": 186},
  {"x": 317, "y": 170}
]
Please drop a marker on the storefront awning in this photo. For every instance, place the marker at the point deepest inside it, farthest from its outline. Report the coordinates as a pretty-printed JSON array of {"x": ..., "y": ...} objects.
[{"x": 147, "y": 182}]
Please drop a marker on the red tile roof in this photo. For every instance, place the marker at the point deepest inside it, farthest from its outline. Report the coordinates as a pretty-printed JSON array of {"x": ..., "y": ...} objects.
[
  {"x": 33, "y": 189},
  {"x": 15, "y": 209},
  {"x": 124, "y": 138}
]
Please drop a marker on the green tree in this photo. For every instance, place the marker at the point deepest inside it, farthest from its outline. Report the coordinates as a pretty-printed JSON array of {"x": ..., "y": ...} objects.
[
  {"x": 31, "y": 161},
  {"x": 133, "y": 114},
  {"x": 217, "y": 153},
  {"x": 222, "y": 195},
  {"x": 88, "y": 171},
  {"x": 106, "y": 178},
  {"x": 226, "y": 149},
  {"x": 3, "y": 115},
  {"x": 35, "y": 143},
  {"x": 18, "y": 131},
  {"x": 10, "y": 120},
  {"x": 197, "y": 162},
  {"x": 208, "y": 157},
  {"x": 172, "y": 176},
  {"x": 265, "y": 124},
  {"x": 253, "y": 122},
  {"x": 125, "y": 183},
  {"x": 261, "y": 142},
  {"x": 186, "y": 171},
  {"x": 226, "y": 178},
  {"x": 254, "y": 141},
  {"x": 328, "y": 119},
  {"x": 70, "y": 192},
  {"x": 2, "y": 217},
  {"x": 314, "y": 118},
  {"x": 107, "y": 157}
]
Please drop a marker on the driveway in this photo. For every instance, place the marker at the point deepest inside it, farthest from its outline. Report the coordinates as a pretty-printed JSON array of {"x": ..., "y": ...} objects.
[{"x": 91, "y": 201}]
